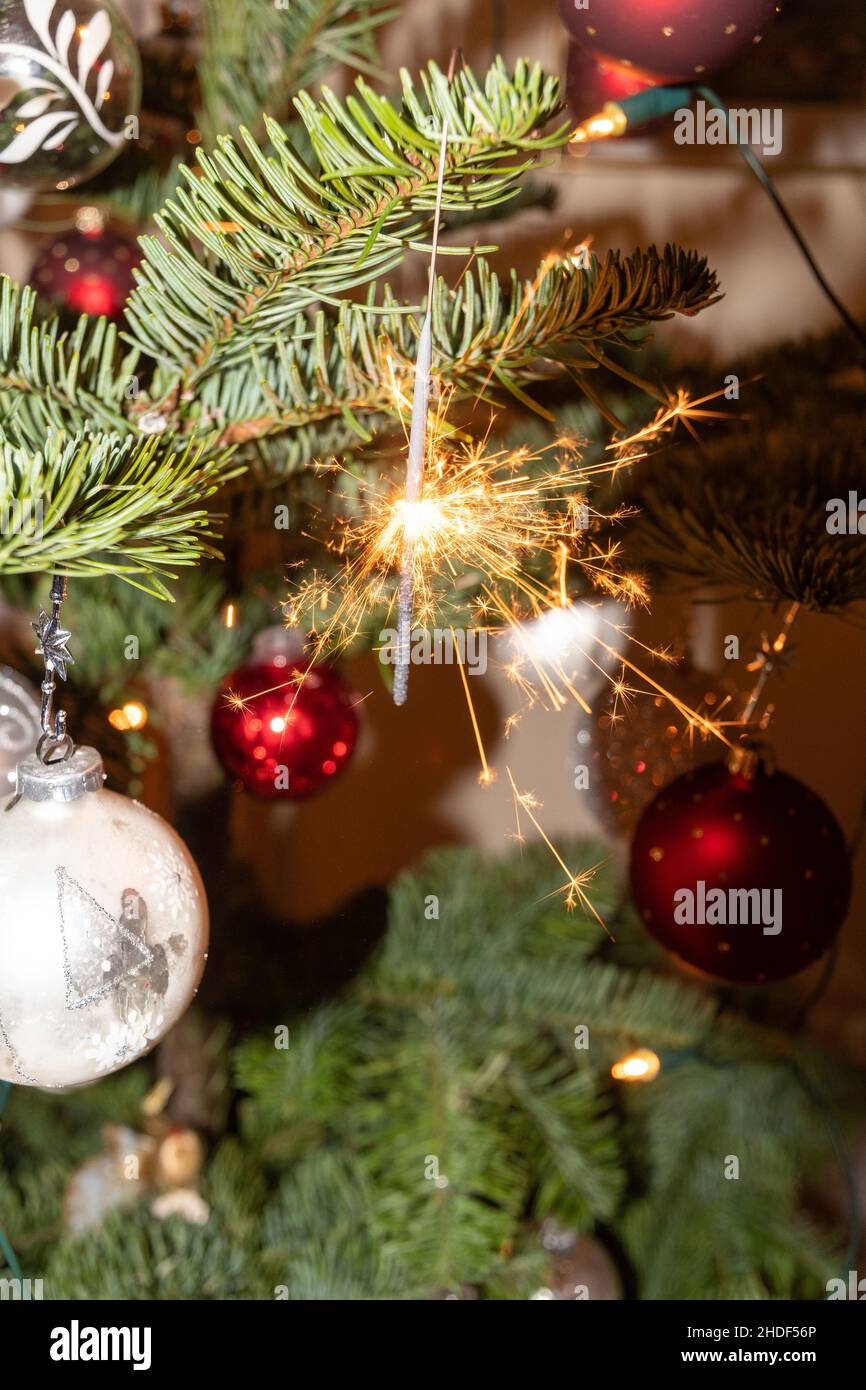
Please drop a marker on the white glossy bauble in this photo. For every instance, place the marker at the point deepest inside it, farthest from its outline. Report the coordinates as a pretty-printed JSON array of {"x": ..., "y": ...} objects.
[{"x": 103, "y": 934}]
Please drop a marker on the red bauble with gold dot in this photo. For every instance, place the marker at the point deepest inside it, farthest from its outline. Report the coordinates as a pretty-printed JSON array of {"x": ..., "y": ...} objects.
[
  {"x": 87, "y": 270},
  {"x": 752, "y": 832},
  {"x": 668, "y": 40},
  {"x": 283, "y": 728}
]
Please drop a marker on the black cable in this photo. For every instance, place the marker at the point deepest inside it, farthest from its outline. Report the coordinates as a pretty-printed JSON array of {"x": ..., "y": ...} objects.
[{"x": 769, "y": 188}]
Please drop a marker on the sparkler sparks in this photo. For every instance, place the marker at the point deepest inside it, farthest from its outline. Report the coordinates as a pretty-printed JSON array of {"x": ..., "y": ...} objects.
[
  {"x": 506, "y": 537},
  {"x": 509, "y": 536},
  {"x": 575, "y": 883},
  {"x": 505, "y": 525}
]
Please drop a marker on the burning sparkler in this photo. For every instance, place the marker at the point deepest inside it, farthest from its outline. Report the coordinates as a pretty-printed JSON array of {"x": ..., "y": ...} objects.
[
  {"x": 510, "y": 533},
  {"x": 418, "y": 442}
]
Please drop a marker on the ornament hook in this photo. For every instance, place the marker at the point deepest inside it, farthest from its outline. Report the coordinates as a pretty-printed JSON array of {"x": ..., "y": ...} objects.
[{"x": 55, "y": 745}]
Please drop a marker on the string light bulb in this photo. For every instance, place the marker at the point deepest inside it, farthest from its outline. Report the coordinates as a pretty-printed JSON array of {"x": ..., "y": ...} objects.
[
  {"x": 617, "y": 117},
  {"x": 642, "y": 1064},
  {"x": 610, "y": 121},
  {"x": 131, "y": 715}
]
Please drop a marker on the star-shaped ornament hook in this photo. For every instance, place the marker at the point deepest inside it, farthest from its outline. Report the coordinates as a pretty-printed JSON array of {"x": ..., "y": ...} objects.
[{"x": 52, "y": 643}]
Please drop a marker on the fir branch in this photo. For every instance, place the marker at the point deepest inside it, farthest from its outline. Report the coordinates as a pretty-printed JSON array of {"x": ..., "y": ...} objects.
[
  {"x": 576, "y": 1150},
  {"x": 51, "y": 379},
  {"x": 444, "y": 1049},
  {"x": 750, "y": 509},
  {"x": 135, "y": 1256},
  {"x": 302, "y": 234},
  {"x": 489, "y": 340},
  {"x": 97, "y": 504},
  {"x": 697, "y": 1233},
  {"x": 317, "y": 1234},
  {"x": 257, "y": 56}
]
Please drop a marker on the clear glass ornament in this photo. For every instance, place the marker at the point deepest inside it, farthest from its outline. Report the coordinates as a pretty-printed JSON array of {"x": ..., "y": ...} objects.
[
  {"x": 103, "y": 926},
  {"x": 70, "y": 88}
]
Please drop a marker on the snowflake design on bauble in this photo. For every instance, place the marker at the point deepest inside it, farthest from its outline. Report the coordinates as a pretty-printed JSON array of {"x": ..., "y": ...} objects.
[
  {"x": 171, "y": 884},
  {"x": 122, "y": 1041}
]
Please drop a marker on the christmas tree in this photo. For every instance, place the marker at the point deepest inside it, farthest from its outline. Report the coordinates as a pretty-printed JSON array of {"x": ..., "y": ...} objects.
[{"x": 289, "y": 445}]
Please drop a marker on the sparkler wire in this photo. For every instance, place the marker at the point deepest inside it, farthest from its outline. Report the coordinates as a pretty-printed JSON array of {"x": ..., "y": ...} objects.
[{"x": 418, "y": 439}]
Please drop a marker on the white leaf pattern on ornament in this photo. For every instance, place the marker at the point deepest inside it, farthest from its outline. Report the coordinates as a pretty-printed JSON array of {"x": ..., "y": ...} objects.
[
  {"x": 93, "y": 40},
  {"x": 41, "y": 130},
  {"x": 65, "y": 30},
  {"x": 39, "y": 13},
  {"x": 33, "y": 137}
]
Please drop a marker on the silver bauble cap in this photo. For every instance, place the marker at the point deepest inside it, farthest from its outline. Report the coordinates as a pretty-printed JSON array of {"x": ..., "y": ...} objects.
[{"x": 65, "y": 780}]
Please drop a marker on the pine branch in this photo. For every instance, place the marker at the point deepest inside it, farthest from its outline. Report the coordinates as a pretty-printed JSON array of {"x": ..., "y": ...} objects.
[
  {"x": 50, "y": 379},
  {"x": 490, "y": 340},
  {"x": 97, "y": 504},
  {"x": 257, "y": 56},
  {"x": 302, "y": 234}
]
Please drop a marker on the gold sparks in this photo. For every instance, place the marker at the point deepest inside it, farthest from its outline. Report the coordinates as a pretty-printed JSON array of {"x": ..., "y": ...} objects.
[
  {"x": 487, "y": 775},
  {"x": 679, "y": 408},
  {"x": 497, "y": 523},
  {"x": 499, "y": 539},
  {"x": 575, "y": 883}
]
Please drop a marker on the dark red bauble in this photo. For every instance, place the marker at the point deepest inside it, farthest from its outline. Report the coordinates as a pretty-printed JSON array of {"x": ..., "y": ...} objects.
[
  {"x": 668, "y": 40},
  {"x": 590, "y": 85},
  {"x": 87, "y": 272},
  {"x": 287, "y": 741},
  {"x": 714, "y": 829}
]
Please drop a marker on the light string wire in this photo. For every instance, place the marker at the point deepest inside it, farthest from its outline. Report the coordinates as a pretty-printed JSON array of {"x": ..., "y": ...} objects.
[{"x": 772, "y": 193}]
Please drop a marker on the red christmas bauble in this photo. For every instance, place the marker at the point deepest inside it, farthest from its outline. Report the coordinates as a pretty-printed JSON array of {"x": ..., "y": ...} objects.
[
  {"x": 668, "y": 40},
  {"x": 87, "y": 272},
  {"x": 744, "y": 876},
  {"x": 282, "y": 729}
]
